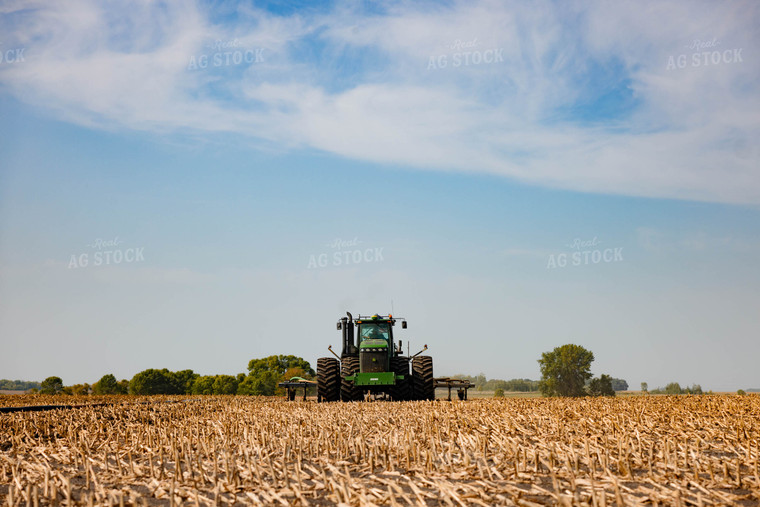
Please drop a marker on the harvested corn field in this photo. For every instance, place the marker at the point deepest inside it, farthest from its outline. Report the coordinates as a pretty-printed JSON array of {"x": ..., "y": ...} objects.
[{"x": 699, "y": 450}]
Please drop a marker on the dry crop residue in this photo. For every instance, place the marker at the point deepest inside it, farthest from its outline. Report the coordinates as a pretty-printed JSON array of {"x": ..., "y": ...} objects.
[{"x": 699, "y": 450}]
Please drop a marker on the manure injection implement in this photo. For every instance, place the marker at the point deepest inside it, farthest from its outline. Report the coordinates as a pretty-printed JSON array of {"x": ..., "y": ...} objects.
[{"x": 372, "y": 364}]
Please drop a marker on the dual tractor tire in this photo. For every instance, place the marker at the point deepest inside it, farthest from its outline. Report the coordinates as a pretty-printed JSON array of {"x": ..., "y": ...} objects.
[
  {"x": 402, "y": 390},
  {"x": 328, "y": 379},
  {"x": 423, "y": 383},
  {"x": 348, "y": 391}
]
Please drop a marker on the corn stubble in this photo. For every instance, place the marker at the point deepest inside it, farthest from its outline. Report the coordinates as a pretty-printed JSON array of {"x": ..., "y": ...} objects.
[{"x": 222, "y": 450}]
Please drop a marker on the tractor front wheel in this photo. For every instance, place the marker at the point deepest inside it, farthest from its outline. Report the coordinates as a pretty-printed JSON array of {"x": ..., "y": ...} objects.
[
  {"x": 349, "y": 391},
  {"x": 401, "y": 391}
]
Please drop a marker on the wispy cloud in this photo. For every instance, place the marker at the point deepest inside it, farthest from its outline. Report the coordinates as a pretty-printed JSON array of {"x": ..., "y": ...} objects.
[
  {"x": 657, "y": 241},
  {"x": 580, "y": 96}
]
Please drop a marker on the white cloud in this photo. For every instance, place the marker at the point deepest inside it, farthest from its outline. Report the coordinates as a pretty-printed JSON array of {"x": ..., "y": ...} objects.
[{"x": 358, "y": 85}]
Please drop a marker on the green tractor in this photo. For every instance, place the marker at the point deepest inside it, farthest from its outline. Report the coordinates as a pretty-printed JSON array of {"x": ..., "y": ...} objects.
[{"x": 373, "y": 364}]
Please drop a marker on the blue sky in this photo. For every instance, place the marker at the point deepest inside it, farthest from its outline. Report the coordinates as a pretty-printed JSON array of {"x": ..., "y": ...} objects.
[{"x": 465, "y": 182}]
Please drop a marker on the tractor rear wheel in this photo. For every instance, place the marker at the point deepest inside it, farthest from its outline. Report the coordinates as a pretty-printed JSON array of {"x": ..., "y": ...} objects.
[
  {"x": 328, "y": 379},
  {"x": 348, "y": 391},
  {"x": 422, "y": 375},
  {"x": 401, "y": 391}
]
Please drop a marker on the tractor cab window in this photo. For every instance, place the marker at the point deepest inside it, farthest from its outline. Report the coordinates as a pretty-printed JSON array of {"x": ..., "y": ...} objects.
[{"x": 373, "y": 330}]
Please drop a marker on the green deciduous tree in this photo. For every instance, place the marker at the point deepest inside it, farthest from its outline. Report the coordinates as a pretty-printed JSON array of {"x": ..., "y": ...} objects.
[
  {"x": 77, "y": 389},
  {"x": 673, "y": 388},
  {"x": 152, "y": 381},
  {"x": 278, "y": 364},
  {"x": 107, "y": 385},
  {"x": 601, "y": 386},
  {"x": 163, "y": 381},
  {"x": 261, "y": 383},
  {"x": 694, "y": 389},
  {"x": 51, "y": 385},
  {"x": 183, "y": 381},
  {"x": 225, "y": 384},
  {"x": 619, "y": 384},
  {"x": 264, "y": 374},
  {"x": 18, "y": 385},
  {"x": 565, "y": 370},
  {"x": 203, "y": 385}
]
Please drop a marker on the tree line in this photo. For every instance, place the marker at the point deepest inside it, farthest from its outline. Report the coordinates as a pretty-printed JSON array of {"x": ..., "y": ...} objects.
[
  {"x": 261, "y": 380},
  {"x": 565, "y": 371},
  {"x": 524, "y": 385},
  {"x": 675, "y": 388},
  {"x": 481, "y": 383},
  {"x": 18, "y": 385}
]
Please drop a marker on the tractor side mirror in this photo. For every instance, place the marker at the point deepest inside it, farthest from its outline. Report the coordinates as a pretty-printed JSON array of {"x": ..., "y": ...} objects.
[
  {"x": 338, "y": 325},
  {"x": 403, "y": 324}
]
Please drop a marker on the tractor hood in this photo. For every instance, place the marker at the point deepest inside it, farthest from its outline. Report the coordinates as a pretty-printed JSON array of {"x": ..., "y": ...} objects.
[{"x": 374, "y": 343}]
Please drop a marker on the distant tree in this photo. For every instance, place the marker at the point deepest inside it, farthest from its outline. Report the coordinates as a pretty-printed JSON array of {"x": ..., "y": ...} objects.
[
  {"x": 225, "y": 384},
  {"x": 619, "y": 384},
  {"x": 518, "y": 384},
  {"x": 183, "y": 381},
  {"x": 123, "y": 386},
  {"x": 644, "y": 387},
  {"x": 741, "y": 392},
  {"x": 279, "y": 364},
  {"x": 18, "y": 385},
  {"x": 203, "y": 385},
  {"x": 152, "y": 381},
  {"x": 565, "y": 370},
  {"x": 673, "y": 388},
  {"x": 498, "y": 393},
  {"x": 106, "y": 385},
  {"x": 77, "y": 390},
  {"x": 601, "y": 386},
  {"x": 522, "y": 385},
  {"x": 51, "y": 385},
  {"x": 264, "y": 374},
  {"x": 259, "y": 384},
  {"x": 694, "y": 389}
]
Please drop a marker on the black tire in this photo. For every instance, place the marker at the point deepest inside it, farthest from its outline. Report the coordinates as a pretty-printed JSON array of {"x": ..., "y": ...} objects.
[
  {"x": 422, "y": 378},
  {"x": 348, "y": 391},
  {"x": 401, "y": 391},
  {"x": 328, "y": 379}
]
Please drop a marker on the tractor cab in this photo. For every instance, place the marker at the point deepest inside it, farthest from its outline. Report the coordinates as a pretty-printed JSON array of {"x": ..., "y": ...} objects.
[
  {"x": 375, "y": 343},
  {"x": 374, "y": 330}
]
